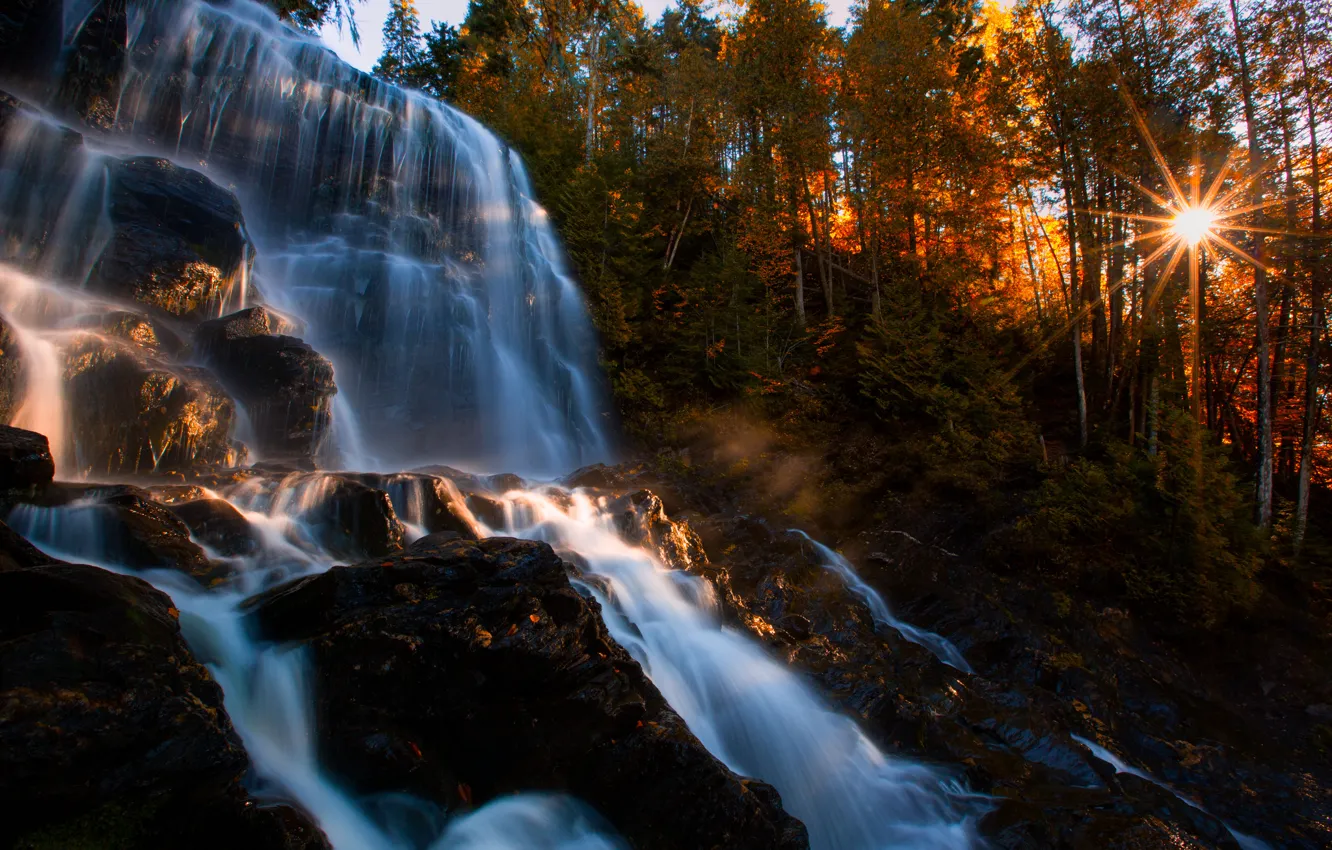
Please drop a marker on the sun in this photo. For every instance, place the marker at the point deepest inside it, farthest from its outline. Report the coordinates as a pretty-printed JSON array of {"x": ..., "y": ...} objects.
[{"x": 1193, "y": 224}]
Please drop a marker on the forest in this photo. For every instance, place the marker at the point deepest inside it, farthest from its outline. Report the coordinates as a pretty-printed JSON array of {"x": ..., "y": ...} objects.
[{"x": 1069, "y": 253}]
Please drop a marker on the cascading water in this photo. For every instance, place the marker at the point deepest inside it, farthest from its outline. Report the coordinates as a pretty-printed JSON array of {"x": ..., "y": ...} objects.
[
  {"x": 941, "y": 647},
  {"x": 1246, "y": 842},
  {"x": 406, "y": 237},
  {"x": 749, "y": 710},
  {"x": 399, "y": 228}
]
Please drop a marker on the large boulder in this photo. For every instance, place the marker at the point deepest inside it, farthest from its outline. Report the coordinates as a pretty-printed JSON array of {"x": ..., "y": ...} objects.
[
  {"x": 178, "y": 243},
  {"x": 473, "y": 669},
  {"x": 25, "y": 459},
  {"x": 111, "y": 733},
  {"x": 133, "y": 414},
  {"x": 286, "y": 386},
  {"x": 254, "y": 321},
  {"x": 218, "y": 525}
]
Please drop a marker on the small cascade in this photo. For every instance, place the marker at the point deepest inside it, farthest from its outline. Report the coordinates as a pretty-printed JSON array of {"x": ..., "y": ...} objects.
[
  {"x": 939, "y": 646},
  {"x": 1246, "y": 842},
  {"x": 42, "y": 408},
  {"x": 752, "y": 712}
]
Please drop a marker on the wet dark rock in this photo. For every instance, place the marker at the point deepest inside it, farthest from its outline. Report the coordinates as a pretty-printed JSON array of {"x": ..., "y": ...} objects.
[
  {"x": 153, "y": 335},
  {"x": 173, "y": 494},
  {"x": 472, "y": 669},
  {"x": 178, "y": 242},
  {"x": 111, "y": 733},
  {"x": 102, "y": 704},
  {"x": 25, "y": 459},
  {"x": 134, "y": 414},
  {"x": 430, "y": 501},
  {"x": 218, "y": 525},
  {"x": 251, "y": 322},
  {"x": 11, "y": 372},
  {"x": 350, "y": 519},
  {"x": 598, "y": 476},
  {"x": 120, "y": 525},
  {"x": 641, "y": 519},
  {"x": 17, "y": 553},
  {"x": 486, "y": 510},
  {"x": 285, "y": 385},
  {"x": 30, "y": 42},
  {"x": 431, "y": 541}
]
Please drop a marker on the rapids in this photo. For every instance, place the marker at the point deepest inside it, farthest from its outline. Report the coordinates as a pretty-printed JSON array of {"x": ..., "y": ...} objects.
[{"x": 406, "y": 237}]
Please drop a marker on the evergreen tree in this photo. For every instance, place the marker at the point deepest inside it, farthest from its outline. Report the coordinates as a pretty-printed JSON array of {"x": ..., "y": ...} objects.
[
  {"x": 401, "y": 60},
  {"x": 313, "y": 14}
]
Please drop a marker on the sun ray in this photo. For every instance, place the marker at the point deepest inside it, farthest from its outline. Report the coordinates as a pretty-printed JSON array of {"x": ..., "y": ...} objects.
[
  {"x": 1159, "y": 200},
  {"x": 1156, "y": 255},
  {"x": 1241, "y": 253},
  {"x": 1210, "y": 199},
  {"x": 1239, "y": 211},
  {"x": 1155, "y": 295}
]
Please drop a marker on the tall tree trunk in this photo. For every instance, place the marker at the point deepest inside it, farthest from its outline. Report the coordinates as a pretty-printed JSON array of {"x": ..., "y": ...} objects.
[
  {"x": 1115, "y": 284},
  {"x": 594, "y": 48},
  {"x": 1263, "y": 508},
  {"x": 1031, "y": 267},
  {"x": 1312, "y": 365},
  {"x": 799, "y": 287},
  {"x": 1076, "y": 290}
]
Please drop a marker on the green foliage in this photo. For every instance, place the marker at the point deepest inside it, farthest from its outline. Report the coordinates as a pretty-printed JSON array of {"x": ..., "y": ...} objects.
[
  {"x": 1169, "y": 532},
  {"x": 924, "y": 366},
  {"x": 313, "y": 14},
  {"x": 402, "y": 44}
]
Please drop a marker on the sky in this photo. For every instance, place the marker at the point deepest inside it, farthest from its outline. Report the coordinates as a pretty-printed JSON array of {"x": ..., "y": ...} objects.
[{"x": 370, "y": 17}]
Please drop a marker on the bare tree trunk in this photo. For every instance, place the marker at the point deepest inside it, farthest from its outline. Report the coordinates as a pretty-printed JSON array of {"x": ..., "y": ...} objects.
[
  {"x": 799, "y": 288},
  {"x": 1076, "y": 291},
  {"x": 1265, "y": 444},
  {"x": 594, "y": 48},
  {"x": 1031, "y": 268},
  {"x": 1311, "y": 407}
]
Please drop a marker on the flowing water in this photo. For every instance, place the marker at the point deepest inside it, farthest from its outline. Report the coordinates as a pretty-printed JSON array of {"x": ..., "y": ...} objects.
[
  {"x": 1246, "y": 842},
  {"x": 407, "y": 238},
  {"x": 941, "y": 647}
]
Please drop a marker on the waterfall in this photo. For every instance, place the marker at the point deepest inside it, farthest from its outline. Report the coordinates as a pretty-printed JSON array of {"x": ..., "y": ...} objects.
[
  {"x": 400, "y": 229},
  {"x": 406, "y": 237}
]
